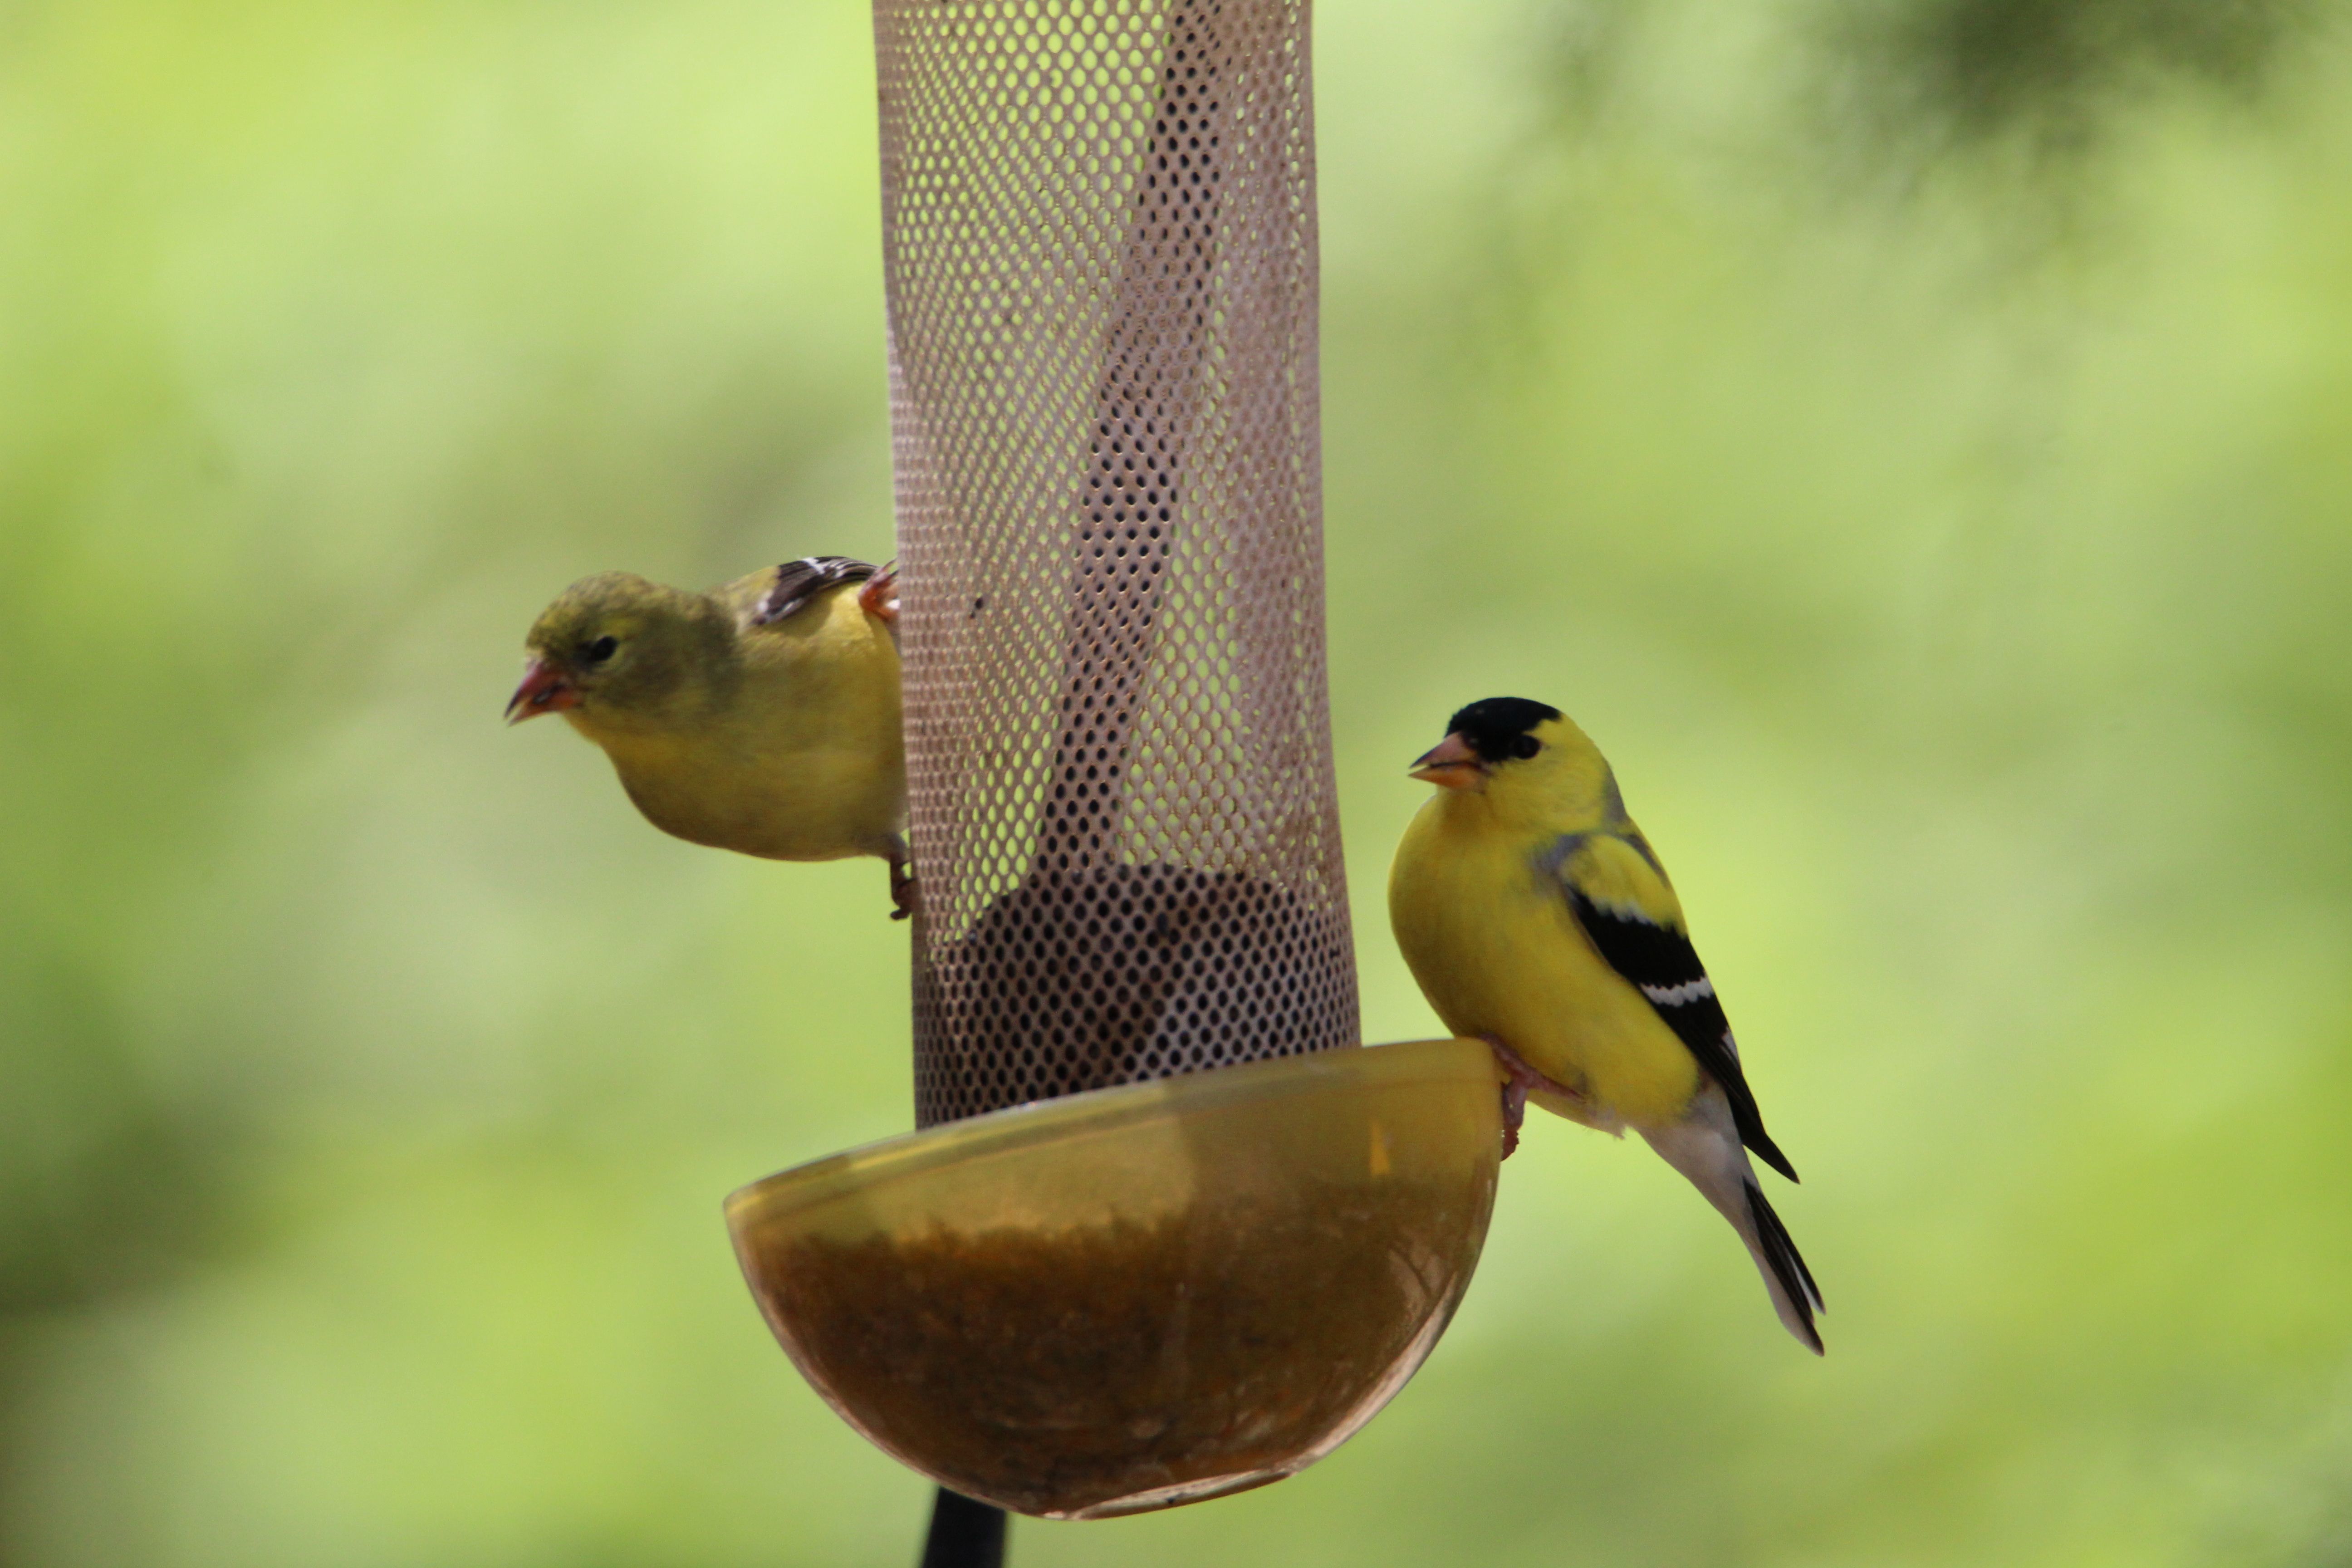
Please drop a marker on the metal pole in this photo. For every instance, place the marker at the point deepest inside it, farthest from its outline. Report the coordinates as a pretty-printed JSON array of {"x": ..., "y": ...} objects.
[{"x": 964, "y": 1534}]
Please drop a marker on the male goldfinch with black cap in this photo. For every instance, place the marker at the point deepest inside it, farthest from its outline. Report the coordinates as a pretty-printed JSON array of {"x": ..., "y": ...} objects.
[
  {"x": 762, "y": 716},
  {"x": 1537, "y": 919}
]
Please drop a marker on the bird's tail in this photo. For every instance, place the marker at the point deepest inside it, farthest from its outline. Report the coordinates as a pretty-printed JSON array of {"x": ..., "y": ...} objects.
[{"x": 1705, "y": 1147}]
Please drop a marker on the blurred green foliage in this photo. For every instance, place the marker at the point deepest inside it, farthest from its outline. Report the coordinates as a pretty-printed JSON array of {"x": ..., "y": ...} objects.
[
  {"x": 1962, "y": 595},
  {"x": 1976, "y": 68}
]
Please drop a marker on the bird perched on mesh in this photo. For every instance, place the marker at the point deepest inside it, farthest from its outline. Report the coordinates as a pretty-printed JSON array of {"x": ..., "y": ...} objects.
[
  {"x": 762, "y": 717},
  {"x": 1537, "y": 917}
]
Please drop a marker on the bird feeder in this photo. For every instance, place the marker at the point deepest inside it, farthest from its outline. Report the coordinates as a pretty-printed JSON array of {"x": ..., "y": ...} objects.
[{"x": 1167, "y": 1231}]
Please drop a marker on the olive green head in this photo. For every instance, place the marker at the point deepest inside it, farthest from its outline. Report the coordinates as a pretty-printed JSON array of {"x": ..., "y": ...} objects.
[{"x": 618, "y": 652}]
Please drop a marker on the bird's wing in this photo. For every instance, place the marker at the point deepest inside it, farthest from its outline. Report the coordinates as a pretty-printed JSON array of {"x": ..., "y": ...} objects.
[
  {"x": 1621, "y": 898},
  {"x": 798, "y": 581}
]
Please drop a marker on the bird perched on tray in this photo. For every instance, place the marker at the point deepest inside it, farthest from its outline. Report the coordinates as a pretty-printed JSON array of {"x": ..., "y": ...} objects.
[
  {"x": 1537, "y": 917},
  {"x": 762, "y": 717}
]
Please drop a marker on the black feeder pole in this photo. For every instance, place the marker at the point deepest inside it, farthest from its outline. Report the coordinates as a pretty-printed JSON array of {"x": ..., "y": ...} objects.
[{"x": 964, "y": 1534}]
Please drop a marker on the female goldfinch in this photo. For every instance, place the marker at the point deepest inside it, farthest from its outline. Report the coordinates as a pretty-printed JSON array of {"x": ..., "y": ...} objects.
[
  {"x": 1537, "y": 917},
  {"x": 762, "y": 717}
]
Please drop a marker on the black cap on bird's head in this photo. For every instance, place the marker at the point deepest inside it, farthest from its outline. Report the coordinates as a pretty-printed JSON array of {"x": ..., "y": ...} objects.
[
  {"x": 1495, "y": 727},
  {"x": 1496, "y": 730}
]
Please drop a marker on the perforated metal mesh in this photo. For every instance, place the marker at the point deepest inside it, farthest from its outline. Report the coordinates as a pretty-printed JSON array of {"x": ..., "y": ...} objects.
[{"x": 1099, "y": 234}]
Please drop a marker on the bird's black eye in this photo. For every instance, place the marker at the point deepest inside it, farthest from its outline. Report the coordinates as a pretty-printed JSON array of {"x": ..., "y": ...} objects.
[
  {"x": 602, "y": 648},
  {"x": 1525, "y": 746}
]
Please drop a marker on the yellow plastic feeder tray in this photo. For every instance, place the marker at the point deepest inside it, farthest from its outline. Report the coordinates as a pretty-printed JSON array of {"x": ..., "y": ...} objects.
[{"x": 1143, "y": 1296}]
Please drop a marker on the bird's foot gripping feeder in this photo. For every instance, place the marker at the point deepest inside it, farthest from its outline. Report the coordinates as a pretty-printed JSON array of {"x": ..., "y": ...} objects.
[
  {"x": 1142, "y": 1295},
  {"x": 1231, "y": 1235}
]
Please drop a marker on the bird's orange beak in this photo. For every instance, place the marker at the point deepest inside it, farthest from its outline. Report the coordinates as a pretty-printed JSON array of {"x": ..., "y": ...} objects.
[
  {"x": 544, "y": 689},
  {"x": 1450, "y": 765}
]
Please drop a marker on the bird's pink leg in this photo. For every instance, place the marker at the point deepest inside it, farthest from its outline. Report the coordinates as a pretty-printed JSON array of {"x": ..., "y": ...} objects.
[
  {"x": 1515, "y": 1115},
  {"x": 1520, "y": 1081}
]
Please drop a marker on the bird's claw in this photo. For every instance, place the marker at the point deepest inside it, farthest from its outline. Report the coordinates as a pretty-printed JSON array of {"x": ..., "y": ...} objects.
[
  {"x": 902, "y": 890},
  {"x": 1519, "y": 1080}
]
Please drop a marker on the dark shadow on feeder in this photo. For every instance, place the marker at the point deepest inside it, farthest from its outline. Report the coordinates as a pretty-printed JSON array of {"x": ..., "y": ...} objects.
[{"x": 1080, "y": 979}]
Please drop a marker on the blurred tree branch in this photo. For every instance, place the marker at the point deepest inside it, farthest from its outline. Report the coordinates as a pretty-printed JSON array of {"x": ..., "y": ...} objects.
[
  {"x": 1931, "y": 78},
  {"x": 1944, "y": 74}
]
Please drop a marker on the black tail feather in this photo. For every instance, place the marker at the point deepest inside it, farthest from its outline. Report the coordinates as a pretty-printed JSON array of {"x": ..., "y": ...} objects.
[
  {"x": 1787, "y": 1264},
  {"x": 1752, "y": 1133}
]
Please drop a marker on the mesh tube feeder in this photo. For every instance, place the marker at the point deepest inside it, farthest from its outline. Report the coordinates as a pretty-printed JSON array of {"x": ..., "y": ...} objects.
[{"x": 1166, "y": 1232}]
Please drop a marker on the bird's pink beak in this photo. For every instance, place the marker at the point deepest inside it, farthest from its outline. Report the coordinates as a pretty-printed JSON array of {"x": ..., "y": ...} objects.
[
  {"x": 544, "y": 689},
  {"x": 1450, "y": 765}
]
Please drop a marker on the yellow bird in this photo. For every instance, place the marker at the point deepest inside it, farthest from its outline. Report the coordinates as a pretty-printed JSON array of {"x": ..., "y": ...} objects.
[
  {"x": 1537, "y": 919},
  {"x": 762, "y": 717}
]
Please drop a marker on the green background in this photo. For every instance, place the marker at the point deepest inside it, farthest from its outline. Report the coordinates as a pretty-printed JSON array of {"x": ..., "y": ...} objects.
[{"x": 1915, "y": 437}]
